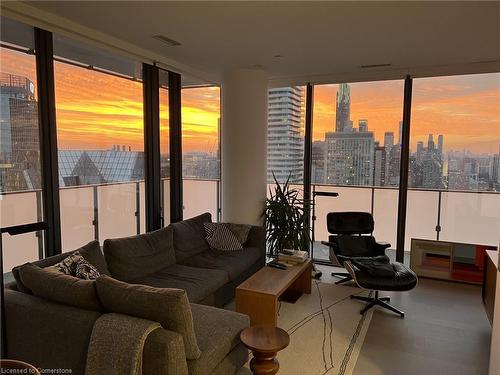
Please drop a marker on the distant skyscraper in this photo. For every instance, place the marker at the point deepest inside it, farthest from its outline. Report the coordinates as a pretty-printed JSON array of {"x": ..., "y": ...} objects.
[
  {"x": 19, "y": 134},
  {"x": 388, "y": 140},
  {"x": 318, "y": 169},
  {"x": 379, "y": 165},
  {"x": 363, "y": 125},
  {"x": 430, "y": 143},
  {"x": 440, "y": 143},
  {"x": 285, "y": 146},
  {"x": 343, "y": 108},
  {"x": 349, "y": 158},
  {"x": 400, "y": 133}
]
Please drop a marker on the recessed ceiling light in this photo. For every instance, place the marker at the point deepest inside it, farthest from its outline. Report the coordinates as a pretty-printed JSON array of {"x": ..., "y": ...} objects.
[
  {"x": 169, "y": 41},
  {"x": 374, "y": 65}
]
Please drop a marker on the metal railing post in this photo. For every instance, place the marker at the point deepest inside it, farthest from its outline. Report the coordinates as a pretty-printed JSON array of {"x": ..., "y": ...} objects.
[
  {"x": 95, "y": 222},
  {"x": 138, "y": 206},
  {"x": 438, "y": 225}
]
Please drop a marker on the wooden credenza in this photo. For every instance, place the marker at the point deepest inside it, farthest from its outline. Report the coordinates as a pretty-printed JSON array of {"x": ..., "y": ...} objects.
[{"x": 490, "y": 283}]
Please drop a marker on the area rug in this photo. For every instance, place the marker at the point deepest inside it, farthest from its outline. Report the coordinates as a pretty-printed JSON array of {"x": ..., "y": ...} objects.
[{"x": 326, "y": 331}]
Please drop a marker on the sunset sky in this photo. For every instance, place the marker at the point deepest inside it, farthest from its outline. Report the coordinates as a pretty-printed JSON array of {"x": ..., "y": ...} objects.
[{"x": 96, "y": 111}]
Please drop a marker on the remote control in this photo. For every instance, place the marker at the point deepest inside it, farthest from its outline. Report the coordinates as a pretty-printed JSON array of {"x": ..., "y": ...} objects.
[{"x": 277, "y": 265}]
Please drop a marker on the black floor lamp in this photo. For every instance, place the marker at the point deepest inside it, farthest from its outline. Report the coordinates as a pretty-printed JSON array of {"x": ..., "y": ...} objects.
[
  {"x": 13, "y": 230},
  {"x": 317, "y": 273}
]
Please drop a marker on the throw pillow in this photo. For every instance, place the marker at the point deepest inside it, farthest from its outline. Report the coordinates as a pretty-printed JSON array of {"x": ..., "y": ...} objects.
[
  {"x": 135, "y": 257},
  {"x": 220, "y": 237},
  {"x": 76, "y": 265},
  {"x": 68, "y": 264},
  {"x": 241, "y": 231},
  {"x": 169, "y": 307},
  {"x": 86, "y": 271},
  {"x": 53, "y": 285}
]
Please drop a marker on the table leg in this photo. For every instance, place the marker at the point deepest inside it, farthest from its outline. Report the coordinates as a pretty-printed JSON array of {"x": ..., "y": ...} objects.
[
  {"x": 264, "y": 363},
  {"x": 303, "y": 282},
  {"x": 261, "y": 308}
]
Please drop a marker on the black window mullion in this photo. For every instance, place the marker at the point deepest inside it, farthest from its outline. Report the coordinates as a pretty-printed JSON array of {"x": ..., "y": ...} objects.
[
  {"x": 175, "y": 128},
  {"x": 308, "y": 150},
  {"x": 48, "y": 141},
  {"x": 152, "y": 180},
  {"x": 403, "y": 170}
]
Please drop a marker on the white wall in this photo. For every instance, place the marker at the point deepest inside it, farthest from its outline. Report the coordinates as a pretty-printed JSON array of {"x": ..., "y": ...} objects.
[{"x": 244, "y": 145}]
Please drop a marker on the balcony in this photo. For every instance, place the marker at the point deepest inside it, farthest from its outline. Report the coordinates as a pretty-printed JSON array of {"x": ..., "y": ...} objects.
[
  {"x": 458, "y": 216},
  {"x": 94, "y": 212}
]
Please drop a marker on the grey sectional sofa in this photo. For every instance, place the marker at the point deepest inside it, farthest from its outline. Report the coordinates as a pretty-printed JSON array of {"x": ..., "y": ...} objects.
[{"x": 55, "y": 335}]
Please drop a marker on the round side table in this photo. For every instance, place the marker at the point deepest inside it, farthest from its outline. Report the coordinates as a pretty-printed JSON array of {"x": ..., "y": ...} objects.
[{"x": 265, "y": 342}]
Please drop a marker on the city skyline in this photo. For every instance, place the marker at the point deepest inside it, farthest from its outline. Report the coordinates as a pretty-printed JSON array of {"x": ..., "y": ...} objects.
[{"x": 466, "y": 109}]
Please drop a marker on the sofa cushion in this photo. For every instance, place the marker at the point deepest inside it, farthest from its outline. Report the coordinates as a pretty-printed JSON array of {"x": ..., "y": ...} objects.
[
  {"x": 91, "y": 252},
  {"x": 51, "y": 284},
  {"x": 217, "y": 332},
  {"x": 189, "y": 236},
  {"x": 197, "y": 282},
  {"x": 169, "y": 307},
  {"x": 233, "y": 262},
  {"x": 137, "y": 256}
]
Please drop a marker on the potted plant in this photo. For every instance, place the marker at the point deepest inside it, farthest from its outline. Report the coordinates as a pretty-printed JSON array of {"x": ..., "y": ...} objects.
[{"x": 286, "y": 217}]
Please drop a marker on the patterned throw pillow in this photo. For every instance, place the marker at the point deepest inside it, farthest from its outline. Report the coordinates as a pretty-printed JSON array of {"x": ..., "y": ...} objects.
[
  {"x": 86, "y": 271},
  {"x": 76, "y": 265},
  {"x": 68, "y": 264},
  {"x": 220, "y": 237}
]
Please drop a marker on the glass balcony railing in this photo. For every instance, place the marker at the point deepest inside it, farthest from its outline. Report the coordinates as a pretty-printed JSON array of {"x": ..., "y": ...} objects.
[
  {"x": 459, "y": 216},
  {"x": 115, "y": 210},
  {"x": 94, "y": 212}
]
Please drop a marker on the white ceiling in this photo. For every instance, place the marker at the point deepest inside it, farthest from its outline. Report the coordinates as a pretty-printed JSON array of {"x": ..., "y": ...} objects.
[{"x": 317, "y": 41}]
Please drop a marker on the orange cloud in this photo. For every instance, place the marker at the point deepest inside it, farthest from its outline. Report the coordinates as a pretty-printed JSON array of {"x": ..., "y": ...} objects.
[{"x": 96, "y": 111}]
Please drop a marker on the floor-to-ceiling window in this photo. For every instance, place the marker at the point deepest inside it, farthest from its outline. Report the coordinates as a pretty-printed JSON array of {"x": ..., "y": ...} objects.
[
  {"x": 200, "y": 150},
  {"x": 356, "y": 152},
  {"x": 454, "y": 175},
  {"x": 100, "y": 131},
  {"x": 20, "y": 168}
]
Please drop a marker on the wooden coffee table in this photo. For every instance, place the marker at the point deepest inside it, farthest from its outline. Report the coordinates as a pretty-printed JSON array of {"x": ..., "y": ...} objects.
[
  {"x": 258, "y": 296},
  {"x": 264, "y": 342}
]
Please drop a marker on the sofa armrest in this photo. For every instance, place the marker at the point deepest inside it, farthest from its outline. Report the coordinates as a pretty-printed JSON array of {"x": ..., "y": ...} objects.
[
  {"x": 257, "y": 238},
  {"x": 164, "y": 354},
  {"x": 46, "y": 334}
]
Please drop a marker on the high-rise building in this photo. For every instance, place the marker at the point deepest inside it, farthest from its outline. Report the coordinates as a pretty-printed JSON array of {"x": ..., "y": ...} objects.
[
  {"x": 363, "y": 125},
  {"x": 440, "y": 144},
  {"x": 430, "y": 143},
  {"x": 388, "y": 140},
  {"x": 379, "y": 165},
  {"x": 285, "y": 146},
  {"x": 318, "y": 164},
  {"x": 349, "y": 158},
  {"x": 19, "y": 134},
  {"x": 343, "y": 107}
]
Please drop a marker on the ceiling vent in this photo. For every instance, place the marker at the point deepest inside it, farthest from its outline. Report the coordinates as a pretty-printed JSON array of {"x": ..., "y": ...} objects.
[
  {"x": 374, "y": 66},
  {"x": 168, "y": 41}
]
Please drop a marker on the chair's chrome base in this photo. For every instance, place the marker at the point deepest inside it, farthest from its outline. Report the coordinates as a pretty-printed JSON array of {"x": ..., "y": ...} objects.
[
  {"x": 316, "y": 274},
  {"x": 343, "y": 276},
  {"x": 377, "y": 301}
]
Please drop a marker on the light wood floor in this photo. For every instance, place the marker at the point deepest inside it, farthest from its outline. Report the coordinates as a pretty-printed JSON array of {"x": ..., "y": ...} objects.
[{"x": 445, "y": 331}]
